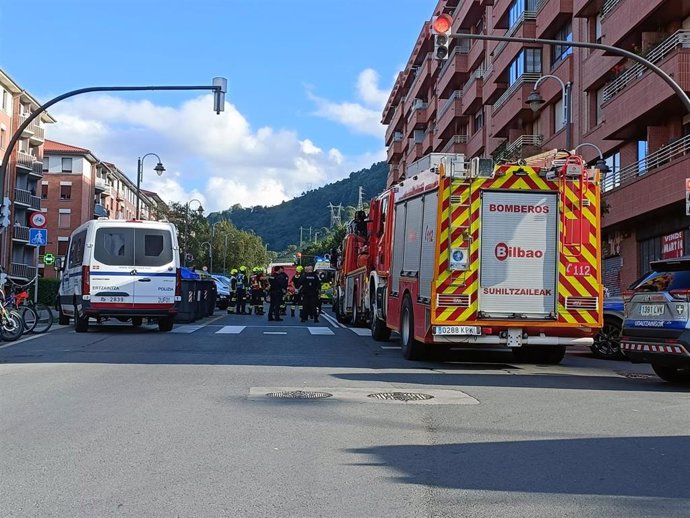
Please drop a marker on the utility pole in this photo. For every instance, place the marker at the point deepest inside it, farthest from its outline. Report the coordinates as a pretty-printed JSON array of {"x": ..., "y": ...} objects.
[
  {"x": 300, "y": 237},
  {"x": 335, "y": 216},
  {"x": 360, "y": 200},
  {"x": 316, "y": 237},
  {"x": 309, "y": 233}
]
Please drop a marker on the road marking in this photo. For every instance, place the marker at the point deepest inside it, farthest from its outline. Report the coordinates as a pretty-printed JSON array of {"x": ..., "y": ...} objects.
[
  {"x": 320, "y": 331},
  {"x": 22, "y": 340},
  {"x": 230, "y": 330},
  {"x": 275, "y": 332},
  {"x": 391, "y": 347},
  {"x": 361, "y": 331},
  {"x": 185, "y": 329},
  {"x": 332, "y": 320}
]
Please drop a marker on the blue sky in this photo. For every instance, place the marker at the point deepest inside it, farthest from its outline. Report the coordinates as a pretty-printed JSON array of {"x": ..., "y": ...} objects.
[{"x": 306, "y": 83}]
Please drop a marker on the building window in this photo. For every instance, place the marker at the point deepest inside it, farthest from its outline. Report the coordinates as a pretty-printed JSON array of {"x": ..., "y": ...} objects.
[
  {"x": 64, "y": 219},
  {"x": 5, "y": 97},
  {"x": 66, "y": 165},
  {"x": 613, "y": 178},
  {"x": 65, "y": 192},
  {"x": 62, "y": 247},
  {"x": 44, "y": 192},
  {"x": 642, "y": 150},
  {"x": 527, "y": 61},
  {"x": 597, "y": 29},
  {"x": 558, "y": 115},
  {"x": 2, "y": 138},
  {"x": 517, "y": 10},
  {"x": 479, "y": 120},
  {"x": 46, "y": 164},
  {"x": 561, "y": 52}
]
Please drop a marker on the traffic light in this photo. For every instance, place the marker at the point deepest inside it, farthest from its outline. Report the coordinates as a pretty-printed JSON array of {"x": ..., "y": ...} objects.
[{"x": 440, "y": 28}]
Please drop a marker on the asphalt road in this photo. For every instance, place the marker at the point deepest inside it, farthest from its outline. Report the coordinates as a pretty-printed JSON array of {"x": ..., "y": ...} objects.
[{"x": 133, "y": 422}]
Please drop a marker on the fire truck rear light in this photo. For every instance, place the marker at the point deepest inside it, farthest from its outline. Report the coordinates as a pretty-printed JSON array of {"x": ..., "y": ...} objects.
[
  {"x": 487, "y": 330},
  {"x": 461, "y": 301},
  {"x": 586, "y": 303}
]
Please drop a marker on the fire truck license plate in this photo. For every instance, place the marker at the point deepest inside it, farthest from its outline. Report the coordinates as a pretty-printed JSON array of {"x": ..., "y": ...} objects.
[{"x": 457, "y": 330}]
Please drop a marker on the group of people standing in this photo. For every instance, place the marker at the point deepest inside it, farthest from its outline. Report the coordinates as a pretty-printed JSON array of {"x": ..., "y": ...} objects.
[{"x": 303, "y": 292}]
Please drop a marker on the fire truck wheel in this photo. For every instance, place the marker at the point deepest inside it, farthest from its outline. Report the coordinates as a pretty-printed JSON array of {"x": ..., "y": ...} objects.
[
  {"x": 379, "y": 331},
  {"x": 411, "y": 348}
]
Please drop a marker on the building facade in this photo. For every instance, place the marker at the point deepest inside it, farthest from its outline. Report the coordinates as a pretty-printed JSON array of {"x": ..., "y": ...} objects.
[
  {"x": 24, "y": 173},
  {"x": 475, "y": 103},
  {"x": 77, "y": 187}
]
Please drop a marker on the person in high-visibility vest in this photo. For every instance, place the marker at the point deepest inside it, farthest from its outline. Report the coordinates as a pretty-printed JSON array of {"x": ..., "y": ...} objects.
[
  {"x": 242, "y": 291},
  {"x": 232, "y": 305},
  {"x": 296, "y": 283}
]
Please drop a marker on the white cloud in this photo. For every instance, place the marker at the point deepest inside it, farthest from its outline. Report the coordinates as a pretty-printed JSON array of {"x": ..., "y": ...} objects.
[
  {"x": 360, "y": 117},
  {"x": 218, "y": 159}
]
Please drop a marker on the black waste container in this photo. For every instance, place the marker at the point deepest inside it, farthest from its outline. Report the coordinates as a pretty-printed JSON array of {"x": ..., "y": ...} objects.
[{"x": 188, "y": 307}]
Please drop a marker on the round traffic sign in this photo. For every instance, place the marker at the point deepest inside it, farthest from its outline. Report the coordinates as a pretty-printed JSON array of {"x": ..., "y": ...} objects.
[{"x": 38, "y": 220}]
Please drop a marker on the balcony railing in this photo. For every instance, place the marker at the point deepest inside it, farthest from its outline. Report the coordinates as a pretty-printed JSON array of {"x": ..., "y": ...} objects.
[
  {"x": 526, "y": 15},
  {"x": 22, "y": 196},
  {"x": 522, "y": 80},
  {"x": 37, "y": 169},
  {"x": 37, "y": 130},
  {"x": 479, "y": 72},
  {"x": 101, "y": 184},
  {"x": 25, "y": 159},
  {"x": 455, "y": 139},
  {"x": 20, "y": 233},
  {"x": 608, "y": 6},
  {"x": 418, "y": 105},
  {"x": 449, "y": 102},
  {"x": 679, "y": 39},
  {"x": 463, "y": 47},
  {"x": 419, "y": 72},
  {"x": 22, "y": 271},
  {"x": 524, "y": 141},
  {"x": 659, "y": 158}
]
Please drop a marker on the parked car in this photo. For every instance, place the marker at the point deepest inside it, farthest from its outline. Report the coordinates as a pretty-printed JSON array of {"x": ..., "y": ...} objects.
[
  {"x": 655, "y": 329},
  {"x": 607, "y": 343},
  {"x": 223, "y": 288}
]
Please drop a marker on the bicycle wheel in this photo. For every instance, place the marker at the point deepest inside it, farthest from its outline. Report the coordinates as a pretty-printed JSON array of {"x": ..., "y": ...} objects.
[
  {"x": 30, "y": 318},
  {"x": 11, "y": 326},
  {"x": 45, "y": 318}
]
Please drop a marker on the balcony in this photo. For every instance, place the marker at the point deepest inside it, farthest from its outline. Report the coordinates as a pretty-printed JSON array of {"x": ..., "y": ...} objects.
[
  {"x": 638, "y": 96},
  {"x": 623, "y": 22},
  {"x": 396, "y": 121},
  {"x": 476, "y": 143},
  {"x": 476, "y": 54},
  {"x": 101, "y": 184},
  {"x": 454, "y": 71},
  {"x": 448, "y": 114},
  {"x": 523, "y": 146},
  {"x": 472, "y": 92},
  {"x": 422, "y": 77},
  {"x": 586, "y": 8},
  {"x": 25, "y": 161},
  {"x": 414, "y": 151},
  {"x": 552, "y": 15},
  {"x": 501, "y": 17},
  {"x": 37, "y": 170},
  {"x": 22, "y": 271},
  {"x": 396, "y": 150},
  {"x": 33, "y": 131},
  {"x": 20, "y": 233},
  {"x": 26, "y": 199},
  {"x": 517, "y": 30},
  {"x": 418, "y": 117},
  {"x": 456, "y": 144},
  {"x": 467, "y": 14},
  {"x": 512, "y": 105}
]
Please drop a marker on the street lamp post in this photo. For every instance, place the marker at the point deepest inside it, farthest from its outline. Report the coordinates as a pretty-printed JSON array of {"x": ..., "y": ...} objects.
[
  {"x": 140, "y": 165},
  {"x": 186, "y": 226},
  {"x": 601, "y": 163},
  {"x": 535, "y": 101}
]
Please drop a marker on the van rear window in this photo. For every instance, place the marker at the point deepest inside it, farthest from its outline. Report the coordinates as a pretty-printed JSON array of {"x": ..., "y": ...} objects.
[
  {"x": 665, "y": 281},
  {"x": 115, "y": 246},
  {"x": 153, "y": 247}
]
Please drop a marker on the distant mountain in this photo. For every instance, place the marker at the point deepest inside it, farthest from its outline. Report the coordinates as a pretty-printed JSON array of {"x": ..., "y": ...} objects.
[{"x": 279, "y": 225}]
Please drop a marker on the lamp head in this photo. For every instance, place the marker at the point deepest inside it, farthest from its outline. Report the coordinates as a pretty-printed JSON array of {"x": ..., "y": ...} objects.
[
  {"x": 159, "y": 169},
  {"x": 535, "y": 101},
  {"x": 602, "y": 166}
]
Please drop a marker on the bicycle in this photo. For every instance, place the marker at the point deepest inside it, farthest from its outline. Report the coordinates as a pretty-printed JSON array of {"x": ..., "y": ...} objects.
[
  {"x": 37, "y": 317},
  {"x": 11, "y": 322}
]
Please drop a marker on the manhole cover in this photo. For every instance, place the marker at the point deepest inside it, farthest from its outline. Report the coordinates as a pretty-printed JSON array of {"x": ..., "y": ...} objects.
[
  {"x": 299, "y": 394},
  {"x": 636, "y": 375},
  {"x": 400, "y": 396}
]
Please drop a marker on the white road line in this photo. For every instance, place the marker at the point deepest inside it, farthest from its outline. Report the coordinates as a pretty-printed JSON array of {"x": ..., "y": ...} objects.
[
  {"x": 230, "y": 330},
  {"x": 320, "y": 331},
  {"x": 22, "y": 340},
  {"x": 332, "y": 320},
  {"x": 275, "y": 332},
  {"x": 391, "y": 347},
  {"x": 185, "y": 329},
  {"x": 361, "y": 331}
]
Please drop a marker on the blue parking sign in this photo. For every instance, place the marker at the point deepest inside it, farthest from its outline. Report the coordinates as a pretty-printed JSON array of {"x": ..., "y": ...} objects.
[{"x": 38, "y": 236}]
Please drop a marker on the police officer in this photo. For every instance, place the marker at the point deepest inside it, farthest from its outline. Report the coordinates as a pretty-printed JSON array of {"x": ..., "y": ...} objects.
[
  {"x": 277, "y": 287},
  {"x": 311, "y": 288},
  {"x": 242, "y": 291}
]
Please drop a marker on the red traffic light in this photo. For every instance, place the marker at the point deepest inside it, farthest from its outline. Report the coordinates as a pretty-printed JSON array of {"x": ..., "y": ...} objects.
[{"x": 442, "y": 24}]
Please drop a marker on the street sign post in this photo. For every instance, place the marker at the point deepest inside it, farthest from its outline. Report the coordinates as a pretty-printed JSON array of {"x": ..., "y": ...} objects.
[
  {"x": 38, "y": 220},
  {"x": 38, "y": 236}
]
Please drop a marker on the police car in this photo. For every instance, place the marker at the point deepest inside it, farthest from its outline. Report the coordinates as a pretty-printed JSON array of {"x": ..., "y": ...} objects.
[{"x": 656, "y": 328}]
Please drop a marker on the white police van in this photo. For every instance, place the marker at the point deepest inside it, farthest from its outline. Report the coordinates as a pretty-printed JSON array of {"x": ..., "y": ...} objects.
[{"x": 129, "y": 270}]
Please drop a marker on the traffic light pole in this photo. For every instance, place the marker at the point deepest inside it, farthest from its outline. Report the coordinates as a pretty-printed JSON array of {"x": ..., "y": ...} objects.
[{"x": 597, "y": 46}]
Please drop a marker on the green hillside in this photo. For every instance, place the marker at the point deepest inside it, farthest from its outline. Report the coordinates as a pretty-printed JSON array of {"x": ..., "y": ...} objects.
[{"x": 279, "y": 226}]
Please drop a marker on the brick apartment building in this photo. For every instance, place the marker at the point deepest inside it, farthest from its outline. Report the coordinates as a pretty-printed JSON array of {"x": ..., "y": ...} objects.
[
  {"x": 23, "y": 175},
  {"x": 77, "y": 187},
  {"x": 475, "y": 103}
]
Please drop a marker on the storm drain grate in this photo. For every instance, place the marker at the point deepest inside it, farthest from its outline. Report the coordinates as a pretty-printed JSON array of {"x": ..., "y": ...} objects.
[
  {"x": 299, "y": 394},
  {"x": 400, "y": 396},
  {"x": 636, "y": 375}
]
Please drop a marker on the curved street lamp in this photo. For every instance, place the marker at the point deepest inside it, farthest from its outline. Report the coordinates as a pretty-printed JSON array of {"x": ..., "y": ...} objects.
[
  {"x": 535, "y": 102},
  {"x": 140, "y": 172},
  {"x": 186, "y": 225},
  {"x": 601, "y": 163}
]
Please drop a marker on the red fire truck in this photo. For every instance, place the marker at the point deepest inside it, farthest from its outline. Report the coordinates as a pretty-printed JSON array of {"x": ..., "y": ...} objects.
[{"x": 469, "y": 254}]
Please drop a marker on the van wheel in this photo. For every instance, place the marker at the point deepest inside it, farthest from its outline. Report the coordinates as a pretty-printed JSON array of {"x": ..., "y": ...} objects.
[
  {"x": 81, "y": 324},
  {"x": 672, "y": 374},
  {"x": 137, "y": 321},
  {"x": 411, "y": 348},
  {"x": 63, "y": 319},
  {"x": 165, "y": 324}
]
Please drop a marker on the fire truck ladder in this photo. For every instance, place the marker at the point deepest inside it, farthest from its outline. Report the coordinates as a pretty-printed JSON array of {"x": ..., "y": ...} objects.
[
  {"x": 573, "y": 178},
  {"x": 463, "y": 200}
]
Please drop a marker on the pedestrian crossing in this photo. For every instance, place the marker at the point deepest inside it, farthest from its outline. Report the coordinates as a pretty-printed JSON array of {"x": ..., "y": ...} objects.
[{"x": 266, "y": 330}]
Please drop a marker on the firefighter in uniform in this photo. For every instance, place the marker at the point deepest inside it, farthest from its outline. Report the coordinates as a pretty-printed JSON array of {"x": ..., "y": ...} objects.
[
  {"x": 311, "y": 288},
  {"x": 297, "y": 292},
  {"x": 278, "y": 283},
  {"x": 232, "y": 305},
  {"x": 242, "y": 291},
  {"x": 256, "y": 283}
]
